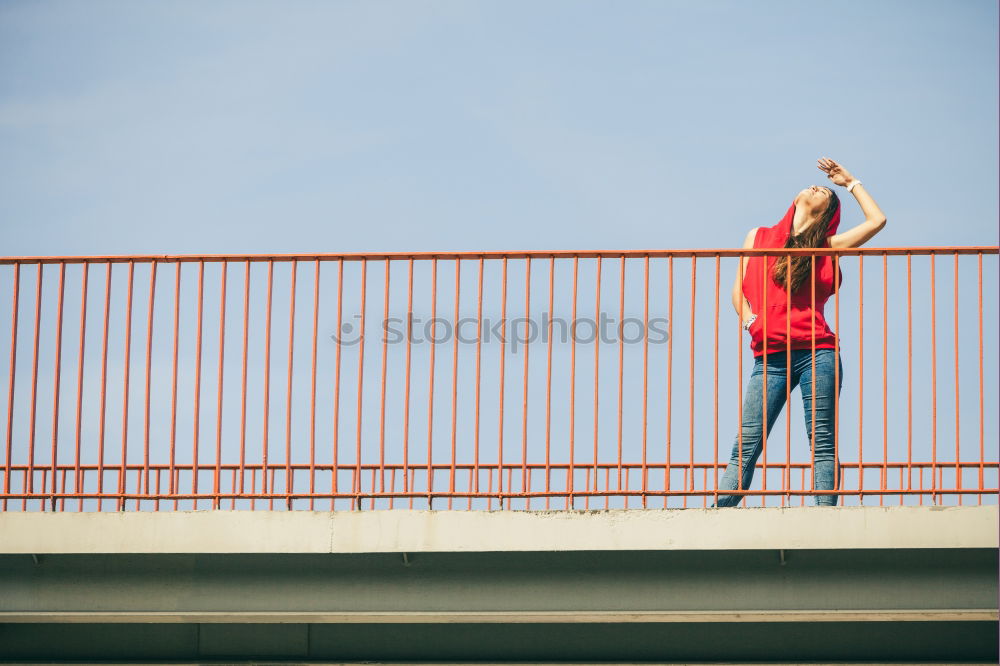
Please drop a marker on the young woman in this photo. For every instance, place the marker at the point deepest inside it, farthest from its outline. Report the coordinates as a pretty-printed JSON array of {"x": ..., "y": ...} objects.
[{"x": 785, "y": 329}]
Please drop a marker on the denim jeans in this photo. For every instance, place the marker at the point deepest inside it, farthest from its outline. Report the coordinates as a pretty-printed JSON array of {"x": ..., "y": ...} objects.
[{"x": 825, "y": 470}]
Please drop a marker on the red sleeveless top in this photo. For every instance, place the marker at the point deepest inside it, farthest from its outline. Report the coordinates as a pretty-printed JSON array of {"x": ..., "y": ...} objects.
[{"x": 801, "y": 323}]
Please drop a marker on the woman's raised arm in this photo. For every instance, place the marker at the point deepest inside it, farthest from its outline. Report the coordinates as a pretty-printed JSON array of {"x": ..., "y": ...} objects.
[{"x": 874, "y": 217}]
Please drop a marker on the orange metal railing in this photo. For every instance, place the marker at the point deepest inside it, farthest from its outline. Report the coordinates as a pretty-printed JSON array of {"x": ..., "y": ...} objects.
[{"x": 520, "y": 380}]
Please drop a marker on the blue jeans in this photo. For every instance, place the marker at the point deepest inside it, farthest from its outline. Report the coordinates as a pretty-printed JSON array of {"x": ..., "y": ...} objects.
[{"x": 825, "y": 470}]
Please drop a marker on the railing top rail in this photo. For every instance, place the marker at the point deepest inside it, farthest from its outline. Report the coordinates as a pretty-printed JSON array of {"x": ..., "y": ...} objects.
[{"x": 535, "y": 254}]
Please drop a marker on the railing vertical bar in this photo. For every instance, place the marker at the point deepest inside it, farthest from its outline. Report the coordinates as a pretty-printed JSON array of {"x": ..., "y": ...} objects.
[
  {"x": 934, "y": 497},
  {"x": 224, "y": 270},
  {"x": 77, "y": 472},
  {"x": 374, "y": 470},
  {"x": 670, "y": 381},
  {"x": 958, "y": 471},
  {"x": 102, "y": 419},
  {"x": 548, "y": 387},
  {"x": 812, "y": 328},
  {"x": 764, "y": 278},
  {"x": 802, "y": 481},
  {"x": 704, "y": 484},
  {"x": 787, "y": 476},
  {"x": 503, "y": 353},
  {"x": 645, "y": 370},
  {"x": 510, "y": 486},
  {"x": 909, "y": 376},
  {"x": 884, "y": 479},
  {"x": 572, "y": 391},
  {"x": 197, "y": 384},
  {"x": 479, "y": 340},
  {"x": 739, "y": 373},
  {"x": 30, "y": 472},
  {"x": 10, "y": 386},
  {"x": 715, "y": 390},
  {"x": 357, "y": 482},
  {"x": 57, "y": 374},
  {"x": 607, "y": 486},
  {"x": 243, "y": 384},
  {"x": 125, "y": 388},
  {"x": 861, "y": 371},
  {"x": 385, "y": 354},
  {"x": 982, "y": 439},
  {"x": 406, "y": 380},
  {"x": 62, "y": 488},
  {"x": 621, "y": 361},
  {"x": 149, "y": 366},
  {"x": 524, "y": 397},
  {"x": 289, "y": 476},
  {"x": 430, "y": 390},
  {"x": 454, "y": 384},
  {"x": 267, "y": 385},
  {"x": 694, "y": 276},
  {"x": 336, "y": 385},
  {"x": 838, "y": 484},
  {"x": 312, "y": 388},
  {"x": 597, "y": 355},
  {"x": 44, "y": 484}
]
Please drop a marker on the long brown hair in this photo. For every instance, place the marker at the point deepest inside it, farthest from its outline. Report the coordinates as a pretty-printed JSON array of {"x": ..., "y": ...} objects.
[{"x": 814, "y": 236}]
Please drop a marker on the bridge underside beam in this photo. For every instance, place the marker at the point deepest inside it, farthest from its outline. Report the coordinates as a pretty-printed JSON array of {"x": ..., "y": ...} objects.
[
  {"x": 862, "y": 604},
  {"x": 890, "y": 642}
]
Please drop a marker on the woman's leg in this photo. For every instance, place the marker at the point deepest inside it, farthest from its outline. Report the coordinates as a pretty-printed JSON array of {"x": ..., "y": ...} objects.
[
  {"x": 745, "y": 453},
  {"x": 829, "y": 375}
]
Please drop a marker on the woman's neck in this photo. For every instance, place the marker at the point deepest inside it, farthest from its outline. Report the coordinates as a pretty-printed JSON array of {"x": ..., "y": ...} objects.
[{"x": 802, "y": 221}]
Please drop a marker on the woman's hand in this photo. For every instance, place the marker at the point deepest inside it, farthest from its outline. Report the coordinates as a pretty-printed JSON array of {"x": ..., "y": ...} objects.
[{"x": 838, "y": 174}]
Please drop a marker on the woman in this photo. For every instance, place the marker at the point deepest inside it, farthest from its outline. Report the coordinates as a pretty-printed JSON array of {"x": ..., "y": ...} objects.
[{"x": 783, "y": 337}]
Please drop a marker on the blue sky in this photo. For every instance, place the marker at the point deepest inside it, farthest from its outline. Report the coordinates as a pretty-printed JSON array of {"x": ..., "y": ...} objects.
[
  {"x": 189, "y": 127},
  {"x": 263, "y": 127}
]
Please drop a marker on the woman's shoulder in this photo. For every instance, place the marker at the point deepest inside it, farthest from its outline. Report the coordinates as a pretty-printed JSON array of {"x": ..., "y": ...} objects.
[{"x": 751, "y": 238}]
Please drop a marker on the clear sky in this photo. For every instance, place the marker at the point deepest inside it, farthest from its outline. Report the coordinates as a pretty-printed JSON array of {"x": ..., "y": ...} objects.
[{"x": 190, "y": 127}]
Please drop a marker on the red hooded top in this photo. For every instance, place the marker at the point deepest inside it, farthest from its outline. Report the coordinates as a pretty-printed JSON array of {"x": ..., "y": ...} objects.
[{"x": 770, "y": 301}]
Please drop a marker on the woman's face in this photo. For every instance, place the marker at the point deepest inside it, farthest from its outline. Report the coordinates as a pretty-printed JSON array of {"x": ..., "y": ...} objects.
[{"x": 814, "y": 198}]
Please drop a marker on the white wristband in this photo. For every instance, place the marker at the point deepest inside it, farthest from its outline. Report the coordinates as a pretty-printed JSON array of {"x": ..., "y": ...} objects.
[{"x": 853, "y": 184}]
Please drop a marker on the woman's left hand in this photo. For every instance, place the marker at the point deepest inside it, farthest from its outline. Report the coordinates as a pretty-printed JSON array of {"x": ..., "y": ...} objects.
[{"x": 838, "y": 174}]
